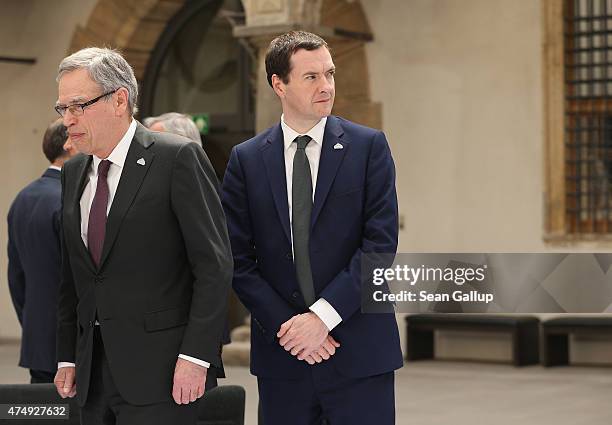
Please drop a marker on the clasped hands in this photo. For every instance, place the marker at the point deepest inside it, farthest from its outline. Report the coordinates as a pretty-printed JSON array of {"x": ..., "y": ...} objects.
[{"x": 306, "y": 337}]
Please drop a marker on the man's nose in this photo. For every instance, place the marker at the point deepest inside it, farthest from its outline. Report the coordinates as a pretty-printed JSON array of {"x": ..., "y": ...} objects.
[
  {"x": 68, "y": 144},
  {"x": 68, "y": 119},
  {"x": 327, "y": 86}
]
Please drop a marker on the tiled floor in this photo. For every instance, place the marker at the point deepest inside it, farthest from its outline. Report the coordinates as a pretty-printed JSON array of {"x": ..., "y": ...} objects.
[{"x": 454, "y": 393}]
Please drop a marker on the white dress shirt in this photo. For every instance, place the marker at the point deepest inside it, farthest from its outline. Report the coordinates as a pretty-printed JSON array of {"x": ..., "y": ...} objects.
[
  {"x": 117, "y": 158},
  {"x": 322, "y": 308}
]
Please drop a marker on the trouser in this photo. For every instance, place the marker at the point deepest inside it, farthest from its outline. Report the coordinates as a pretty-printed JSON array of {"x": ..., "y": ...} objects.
[
  {"x": 106, "y": 406},
  {"x": 41, "y": 376},
  {"x": 327, "y": 397}
]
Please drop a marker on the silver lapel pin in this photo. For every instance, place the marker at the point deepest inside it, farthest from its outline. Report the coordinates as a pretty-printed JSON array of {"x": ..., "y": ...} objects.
[
  {"x": 338, "y": 146},
  {"x": 141, "y": 161}
]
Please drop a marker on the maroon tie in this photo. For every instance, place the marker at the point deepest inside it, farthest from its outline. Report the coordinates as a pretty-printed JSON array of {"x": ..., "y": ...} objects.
[{"x": 96, "y": 228}]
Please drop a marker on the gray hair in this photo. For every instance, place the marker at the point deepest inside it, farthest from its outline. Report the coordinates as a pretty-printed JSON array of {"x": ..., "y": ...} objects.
[
  {"x": 176, "y": 123},
  {"x": 107, "y": 68}
]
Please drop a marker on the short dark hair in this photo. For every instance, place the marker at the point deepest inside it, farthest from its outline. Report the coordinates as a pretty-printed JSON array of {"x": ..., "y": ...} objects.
[
  {"x": 280, "y": 50},
  {"x": 54, "y": 140}
]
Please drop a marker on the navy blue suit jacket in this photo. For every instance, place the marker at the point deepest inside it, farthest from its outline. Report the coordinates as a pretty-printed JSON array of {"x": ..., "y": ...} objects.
[
  {"x": 34, "y": 267},
  {"x": 354, "y": 212}
]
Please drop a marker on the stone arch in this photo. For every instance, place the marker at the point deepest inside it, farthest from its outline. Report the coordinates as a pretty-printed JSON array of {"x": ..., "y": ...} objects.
[{"x": 133, "y": 26}]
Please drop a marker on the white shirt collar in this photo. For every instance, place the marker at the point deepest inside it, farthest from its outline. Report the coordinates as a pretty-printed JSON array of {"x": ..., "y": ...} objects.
[
  {"x": 54, "y": 167},
  {"x": 118, "y": 155},
  {"x": 315, "y": 133}
]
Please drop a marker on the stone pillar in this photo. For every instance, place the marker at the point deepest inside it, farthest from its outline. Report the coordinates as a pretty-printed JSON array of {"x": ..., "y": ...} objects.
[
  {"x": 342, "y": 24},
  {"x": 267, "y": 106},
  {"x": 270, "y": 13}
]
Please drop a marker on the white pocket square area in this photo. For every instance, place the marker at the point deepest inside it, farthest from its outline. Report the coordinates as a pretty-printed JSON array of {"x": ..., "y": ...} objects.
[
  {"x": 141, "y": 161},
  {"x": 338, "y": 146}
]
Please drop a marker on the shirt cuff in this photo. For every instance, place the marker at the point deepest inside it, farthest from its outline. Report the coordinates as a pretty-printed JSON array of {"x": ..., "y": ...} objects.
[
  {"x": 326, "y": 313},
  {"x": 194, "y": 360},
  {"x": 65, "y": 364}
]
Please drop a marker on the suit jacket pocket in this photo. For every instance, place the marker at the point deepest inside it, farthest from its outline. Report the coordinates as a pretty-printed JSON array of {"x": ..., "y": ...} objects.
[{"x": 166, "y": 319}]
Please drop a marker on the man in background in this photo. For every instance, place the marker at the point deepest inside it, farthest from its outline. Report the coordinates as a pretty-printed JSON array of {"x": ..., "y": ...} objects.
[
  {"x": 34, "y": 255},
  {"x": 175, "y": 123}
]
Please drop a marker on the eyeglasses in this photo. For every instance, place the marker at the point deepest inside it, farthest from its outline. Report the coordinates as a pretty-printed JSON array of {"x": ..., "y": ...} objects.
[{"x": 77, "y": 109}]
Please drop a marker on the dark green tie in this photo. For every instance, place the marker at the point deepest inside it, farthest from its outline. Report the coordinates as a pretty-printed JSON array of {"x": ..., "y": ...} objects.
[{"x": 301, "y": 208}]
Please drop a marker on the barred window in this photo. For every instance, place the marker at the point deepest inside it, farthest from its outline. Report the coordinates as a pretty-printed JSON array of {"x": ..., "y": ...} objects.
[
  {"x": 588, "y": 115},
  {"x": 578, "y": 99}
]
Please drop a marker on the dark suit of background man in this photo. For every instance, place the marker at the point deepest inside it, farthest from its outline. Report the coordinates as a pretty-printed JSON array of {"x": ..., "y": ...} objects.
[
  {"x": 304, "y": 200},
  {"x": 147, "y": 262},
  {"x": 34, "y": 258}
]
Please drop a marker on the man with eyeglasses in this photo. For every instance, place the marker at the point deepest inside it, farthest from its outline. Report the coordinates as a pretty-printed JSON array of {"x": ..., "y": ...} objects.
[{"x": 147, "y": 263}]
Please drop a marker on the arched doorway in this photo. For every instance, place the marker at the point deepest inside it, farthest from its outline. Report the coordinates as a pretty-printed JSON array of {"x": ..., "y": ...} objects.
[{"x": 197, "y": 67}]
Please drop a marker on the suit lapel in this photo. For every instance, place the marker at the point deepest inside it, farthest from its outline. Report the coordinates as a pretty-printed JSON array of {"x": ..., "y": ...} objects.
[
  {"x": 272, "y": 151},
  {"x": 131, "y": 179},
  {"x": 329, "y": 164},
  {"x": 82, "y": 171},
  {"x": 81, "y": 177}
]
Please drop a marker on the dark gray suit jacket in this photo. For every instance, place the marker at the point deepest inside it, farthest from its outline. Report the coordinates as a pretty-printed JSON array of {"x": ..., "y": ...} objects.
[{"x": 165, "y": 272}]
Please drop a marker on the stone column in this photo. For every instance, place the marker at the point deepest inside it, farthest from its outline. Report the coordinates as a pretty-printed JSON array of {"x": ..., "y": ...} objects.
[{"x": 342, "y": 24}]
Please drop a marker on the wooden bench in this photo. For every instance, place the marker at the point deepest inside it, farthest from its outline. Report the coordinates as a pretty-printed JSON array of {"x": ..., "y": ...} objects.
[
  {"x": 556, "y": 332},
  {"x": 524, "y": 331}
]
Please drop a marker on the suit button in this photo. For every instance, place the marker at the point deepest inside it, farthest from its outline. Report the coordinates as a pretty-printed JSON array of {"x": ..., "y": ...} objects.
[
  {"x": 98, "y": 279},
  {"x": 289, "y": 256},
  {"x": 295, "y": 295}
]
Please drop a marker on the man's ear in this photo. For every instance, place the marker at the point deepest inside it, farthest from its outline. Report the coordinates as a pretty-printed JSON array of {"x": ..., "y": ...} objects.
[
  {"x": 278, "y": 86},
  {"x": 120, "y": 103}
]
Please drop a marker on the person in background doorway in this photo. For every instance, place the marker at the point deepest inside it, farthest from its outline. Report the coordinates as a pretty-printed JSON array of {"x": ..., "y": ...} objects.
[{"x": 175, "y": 123}]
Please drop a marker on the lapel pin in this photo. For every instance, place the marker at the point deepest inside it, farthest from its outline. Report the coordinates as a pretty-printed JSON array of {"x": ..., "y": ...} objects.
[
  {"x": 338, "y": 146},
  {"x": 141, "y": 161}
]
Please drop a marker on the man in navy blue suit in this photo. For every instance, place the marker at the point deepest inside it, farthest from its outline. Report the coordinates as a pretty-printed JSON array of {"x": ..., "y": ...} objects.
[
  {"x": 304, "y": 201},
  {"x": 34, "y": 256}
]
